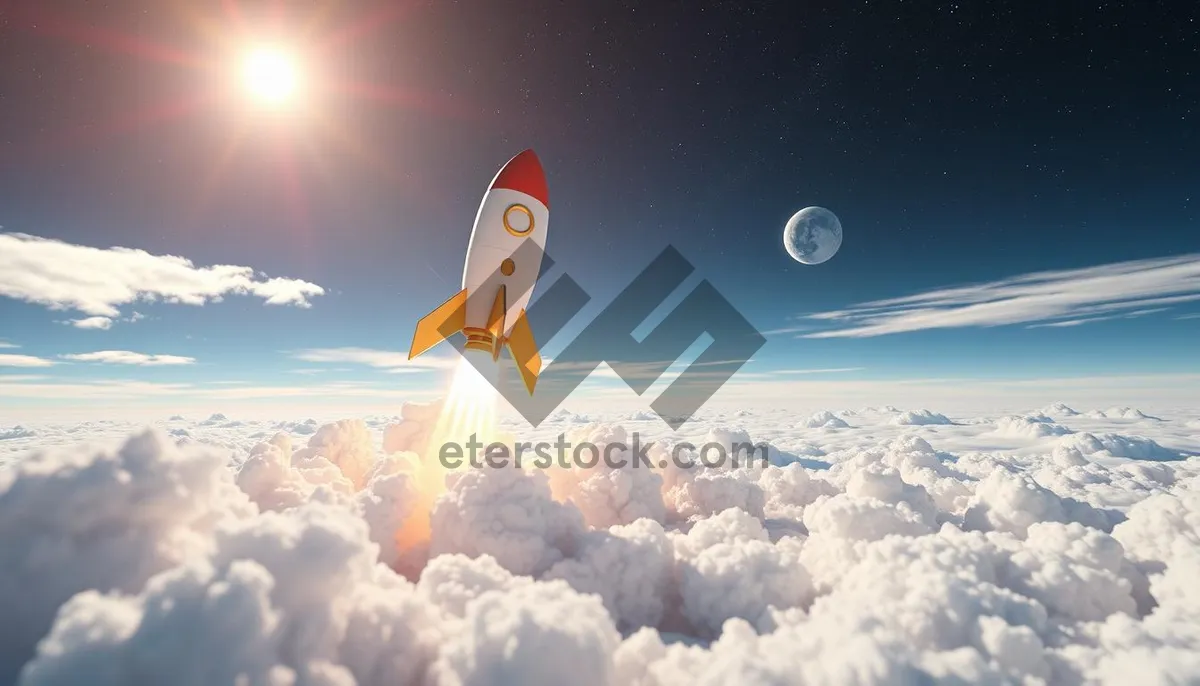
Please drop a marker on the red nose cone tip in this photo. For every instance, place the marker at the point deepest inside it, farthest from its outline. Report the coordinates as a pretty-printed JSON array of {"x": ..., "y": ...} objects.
[{"x": 524, "y": 174}]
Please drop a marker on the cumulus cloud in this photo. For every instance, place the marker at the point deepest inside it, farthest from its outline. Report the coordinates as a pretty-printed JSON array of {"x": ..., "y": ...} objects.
[
  {"x": 630, "y": 567},
  {"x": 103, "y": 519},
  {"x": 97, "y": 281},
  {"x": 729, "y": 568},
  {"x": 412, "y": 433},
  {"x": 507, "y": 514},
  {"x": 541, "y": 635},
  {"x": 18, "y": 431},
  {"x": 346, "y": 444},
  {"x": 127, "y": 357},
  {"x": 1120, "y": 413},
  {"x": 1117, "y": 445},
  {"x": 606, "y": 496},
  {"x": 920, "y": 418},
  {"x": 1057, "y": 410},
  {"x": 453, "y": 581},
  {"x": 1121, "y": 287},
  {"x": 92, "y": 323},
  {"x": 291, "y": 597},
  {"x": 1029, "y": 426},
  {"x": 245, "y": 551},
  {"x": 825, "y": 420},
  {"x": 701, "y": 492},
  {"x": 103, "y": 323}
]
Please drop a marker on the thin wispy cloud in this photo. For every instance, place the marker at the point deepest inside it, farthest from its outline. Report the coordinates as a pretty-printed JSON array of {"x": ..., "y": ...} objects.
[
  {"x": 1087, "y": 320},
  {"x": 1077, "y": 296},
  {"x": 392, "y": 361},
  {"x": 97, "y": 281},
  {"x": 6, "y": 345},
  {"x": 831, "y": 370},
  {"x": 11, "y": 360},
  {"x": 1067, "y": 323},
  {"x": 786, "y": 329},
  {"x": 639, "y": 370},
  {"x": 32, "y": 387},
  {"x": 90, "y": 390},
  {"x": 128, "y": 357}
]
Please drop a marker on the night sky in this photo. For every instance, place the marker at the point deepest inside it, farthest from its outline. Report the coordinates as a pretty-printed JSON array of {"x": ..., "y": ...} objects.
[{"x": 958, "y": 143}]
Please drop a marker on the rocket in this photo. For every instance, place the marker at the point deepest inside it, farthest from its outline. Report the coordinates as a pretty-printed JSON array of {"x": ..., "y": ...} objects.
[{"x": 500, "y": 272}]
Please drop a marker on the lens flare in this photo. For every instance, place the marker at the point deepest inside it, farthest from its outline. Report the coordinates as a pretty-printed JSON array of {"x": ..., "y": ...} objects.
[
  {"x": 469, "y": 414},
  {"x": 270, "y": 75}
]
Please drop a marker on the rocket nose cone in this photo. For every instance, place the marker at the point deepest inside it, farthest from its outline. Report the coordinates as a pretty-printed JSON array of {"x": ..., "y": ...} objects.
[{"x": 524, "y": 173}]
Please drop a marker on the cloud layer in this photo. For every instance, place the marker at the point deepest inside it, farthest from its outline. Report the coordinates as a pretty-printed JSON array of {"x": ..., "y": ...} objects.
[
  {"x": 228, "y": 551},
  {"x": 97, "y": 281}
]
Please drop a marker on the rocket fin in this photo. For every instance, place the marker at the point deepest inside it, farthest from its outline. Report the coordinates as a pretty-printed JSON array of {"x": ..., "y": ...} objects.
[
  {"x": 524, "y": 351},
  {"x": 448, "y": 319},
  {"x": 496, "y": 322}
]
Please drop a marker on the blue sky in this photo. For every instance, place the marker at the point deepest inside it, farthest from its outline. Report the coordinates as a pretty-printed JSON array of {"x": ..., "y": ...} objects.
[
  {"x": 950, "y": 162},
  {"x": 337, "y": 348}
]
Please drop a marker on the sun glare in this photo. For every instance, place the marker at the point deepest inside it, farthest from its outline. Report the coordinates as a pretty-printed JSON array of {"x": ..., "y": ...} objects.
[{"x": 270, "y": 75}]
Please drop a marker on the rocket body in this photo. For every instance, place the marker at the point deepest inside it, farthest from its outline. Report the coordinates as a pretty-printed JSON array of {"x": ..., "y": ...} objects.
[
  {"x": 500, "y": 271},
  {"x": 501, "y": 226}
]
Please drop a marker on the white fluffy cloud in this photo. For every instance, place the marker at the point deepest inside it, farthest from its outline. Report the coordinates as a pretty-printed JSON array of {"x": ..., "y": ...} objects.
[
  {"x": 267, "y": 552},
  {"x": 127, "y": 357},
  {"x": 920, "y": 418},
  {"x": 1126, "y": 288},
  {"x": 92, "y": 323},
  {"x": 1030, "y": 426},
  {"x": 507, "y": 514},
  {"x": 100, "y": 519},
  {"x": 97, "y": 281},
  {"x": 825, "y": 420}
]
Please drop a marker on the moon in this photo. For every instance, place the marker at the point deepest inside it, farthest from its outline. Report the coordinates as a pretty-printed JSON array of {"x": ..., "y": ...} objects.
[{"x": 812, "y": 235}]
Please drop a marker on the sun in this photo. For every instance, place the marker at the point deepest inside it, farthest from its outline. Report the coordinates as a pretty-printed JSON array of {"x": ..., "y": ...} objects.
[
  {"x": 270, "y": 71},
  {"x": 270, "y": 75}
]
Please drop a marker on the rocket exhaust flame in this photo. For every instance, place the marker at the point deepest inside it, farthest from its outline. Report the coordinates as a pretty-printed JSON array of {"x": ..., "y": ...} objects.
[{"x": 469, "y": 411}]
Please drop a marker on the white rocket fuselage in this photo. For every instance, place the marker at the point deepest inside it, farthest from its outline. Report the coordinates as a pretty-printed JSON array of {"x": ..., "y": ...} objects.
[
  {"x": 500, "y": 272},
  {"x": 491, "y": 244}
]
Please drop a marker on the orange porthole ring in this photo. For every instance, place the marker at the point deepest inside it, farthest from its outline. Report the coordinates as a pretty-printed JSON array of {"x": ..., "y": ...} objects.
[{"x": 518, "y": 207}]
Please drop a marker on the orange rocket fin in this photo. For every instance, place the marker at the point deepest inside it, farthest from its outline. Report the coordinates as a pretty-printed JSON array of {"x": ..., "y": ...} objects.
[
  {"x": 448, "y": 319},
  {"x": 524, "y": 351},
  {"x": 496, "y": 322}
]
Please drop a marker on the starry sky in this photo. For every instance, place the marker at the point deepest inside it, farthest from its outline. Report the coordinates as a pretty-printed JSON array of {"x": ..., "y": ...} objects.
[{"x": 959, "y": 144}]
